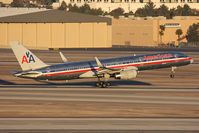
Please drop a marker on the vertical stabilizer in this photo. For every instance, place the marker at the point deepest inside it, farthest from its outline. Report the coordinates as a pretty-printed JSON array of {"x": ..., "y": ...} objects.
[{"x": 26, "y": 59}]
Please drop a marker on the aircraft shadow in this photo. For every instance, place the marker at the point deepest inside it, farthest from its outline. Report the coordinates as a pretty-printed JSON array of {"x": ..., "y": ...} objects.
[
  {"x": 4, "y": 82},
  {"x": 92, "y": 83},
  {"x": 113, "y": 83}
]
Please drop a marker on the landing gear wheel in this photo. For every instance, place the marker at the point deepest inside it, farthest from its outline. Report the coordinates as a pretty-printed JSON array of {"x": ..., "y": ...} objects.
[
  {"x": 98, "y": 84},
  {"x": 172, "y": 71},
  {"x": 103, "y": 85},
  {"x": 171, "y": 75},
  {"x": 108, "y": 84}
]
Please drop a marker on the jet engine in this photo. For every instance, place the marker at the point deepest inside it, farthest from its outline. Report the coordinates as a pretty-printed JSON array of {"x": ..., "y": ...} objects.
[{"x": 126, "y": 75}]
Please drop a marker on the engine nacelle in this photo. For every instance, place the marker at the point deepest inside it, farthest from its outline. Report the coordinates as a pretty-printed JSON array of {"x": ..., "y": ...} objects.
[{"x": 126, "y": 75}]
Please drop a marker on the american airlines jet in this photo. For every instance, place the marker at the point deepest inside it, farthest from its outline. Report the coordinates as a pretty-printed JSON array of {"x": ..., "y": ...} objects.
[{"x": 124, "y": 68}]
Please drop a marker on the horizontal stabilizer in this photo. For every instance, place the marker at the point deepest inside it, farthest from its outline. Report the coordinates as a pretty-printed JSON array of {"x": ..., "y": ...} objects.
[
  {"x": 63, "y": 57},
  {"x": 98, "y": 62}
]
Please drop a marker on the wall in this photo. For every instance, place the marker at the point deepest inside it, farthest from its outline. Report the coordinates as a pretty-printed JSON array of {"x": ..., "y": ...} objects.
[
  {"x": 132, "y": 32},
  {"x": 56, "y": 35},
  {"x": 146, "y": 32},
  {"x": 170, "y": 32}
]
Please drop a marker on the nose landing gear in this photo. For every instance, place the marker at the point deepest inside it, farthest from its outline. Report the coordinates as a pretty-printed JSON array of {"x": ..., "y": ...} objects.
[
  {"x": 172, "y": 72},
  {"x": 172, "y": 75}
]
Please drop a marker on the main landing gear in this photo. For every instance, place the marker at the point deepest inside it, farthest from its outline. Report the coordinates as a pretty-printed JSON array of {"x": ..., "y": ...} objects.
[
  {"x": 172, "y": 72},
  {"x": 102, "y": 84},
  {"x": 105, "y": 83}
]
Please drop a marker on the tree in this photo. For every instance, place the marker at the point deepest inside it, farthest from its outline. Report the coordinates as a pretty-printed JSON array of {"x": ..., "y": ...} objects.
[
  {"x": 179, "y": 33},
  {"x": 184, "y": 11},
  {"x": 140, "y": 12},
  {"x": 63, "y": 6},
  {"x": 193, "y": 33},
  {"x": 17, "y": 3},
  {"x": 117, "y": 12},
  {"x": 178, "y": 11},
  {"x": 163, "y": 11},
  {"x": 187, "y": 11},
  {"x": 171, "y": 13},
  {"x": 46, "y": 3},
  {"x": 2, "y": 4},
  {"x": 161, "y": 32},
  {"x": 74, "y": 8},
  {"x": 148, "y": 10},
  {"x": 84, "y": 9},
  {"x": 96, "y": 11}
]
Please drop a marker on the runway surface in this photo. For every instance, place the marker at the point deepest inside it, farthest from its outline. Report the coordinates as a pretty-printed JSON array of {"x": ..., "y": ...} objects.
[
  {"x": 102, "y": 95},
  {"x": 99, "y": 124},
  {"x": 97, "y": 109},
  {"x": 151, "y": 103}
]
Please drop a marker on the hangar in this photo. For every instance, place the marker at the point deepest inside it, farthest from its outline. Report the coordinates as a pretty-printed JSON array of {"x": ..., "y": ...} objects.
[
  {"x": 56, "y": 29},
  {"x": 61, "y": 29}
]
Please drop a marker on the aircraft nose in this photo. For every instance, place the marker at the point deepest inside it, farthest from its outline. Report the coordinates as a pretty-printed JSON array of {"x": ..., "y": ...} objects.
[{"x": 191, "y": 61}]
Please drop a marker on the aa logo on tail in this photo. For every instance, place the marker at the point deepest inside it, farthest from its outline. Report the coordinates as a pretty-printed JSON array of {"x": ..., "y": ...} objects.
[{"x": 27, "y": 58}]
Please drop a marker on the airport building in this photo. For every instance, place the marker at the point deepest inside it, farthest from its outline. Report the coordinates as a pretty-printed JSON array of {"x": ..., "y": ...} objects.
[
  {"x": 6, "y": 1},
  {"x": 145, "y": 31},
  {"x": 61, "y": 29},
  {"x": 130, "y": 5},
  {"x": 56, "y": 29}
]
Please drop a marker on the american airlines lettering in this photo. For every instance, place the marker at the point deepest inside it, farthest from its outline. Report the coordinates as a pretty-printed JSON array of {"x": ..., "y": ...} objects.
[{"x": 161, "y": 56}]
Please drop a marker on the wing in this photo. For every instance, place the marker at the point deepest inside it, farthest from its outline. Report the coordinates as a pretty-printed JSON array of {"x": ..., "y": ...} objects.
[{"x": 105, "y": 70}]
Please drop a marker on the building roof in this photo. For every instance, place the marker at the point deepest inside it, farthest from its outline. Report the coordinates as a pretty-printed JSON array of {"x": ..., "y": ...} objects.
[
  {"x": 54, "y": 16},
  {"x": 12, "y": 11}
]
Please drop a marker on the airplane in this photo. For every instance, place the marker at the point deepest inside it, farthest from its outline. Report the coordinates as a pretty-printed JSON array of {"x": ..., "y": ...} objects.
[{"x": 124, "y": 68}]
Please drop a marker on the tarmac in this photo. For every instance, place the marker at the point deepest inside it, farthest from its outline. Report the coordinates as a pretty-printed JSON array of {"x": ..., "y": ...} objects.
[{"x": 150, "y": 103}]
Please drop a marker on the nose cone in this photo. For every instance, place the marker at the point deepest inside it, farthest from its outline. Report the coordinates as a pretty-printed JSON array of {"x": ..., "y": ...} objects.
[{"x": 191, "y": 61}]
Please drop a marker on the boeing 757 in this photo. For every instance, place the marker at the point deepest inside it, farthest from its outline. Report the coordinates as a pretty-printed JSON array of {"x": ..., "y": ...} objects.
[{"x": 124, "y": 68}]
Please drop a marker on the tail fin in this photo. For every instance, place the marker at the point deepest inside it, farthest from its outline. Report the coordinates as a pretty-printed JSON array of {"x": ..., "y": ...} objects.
[{"x": 26, "y": 59}]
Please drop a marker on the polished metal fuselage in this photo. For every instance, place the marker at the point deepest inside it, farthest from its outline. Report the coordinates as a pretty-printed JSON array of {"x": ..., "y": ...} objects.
[{"x": 88, "y": 69}]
